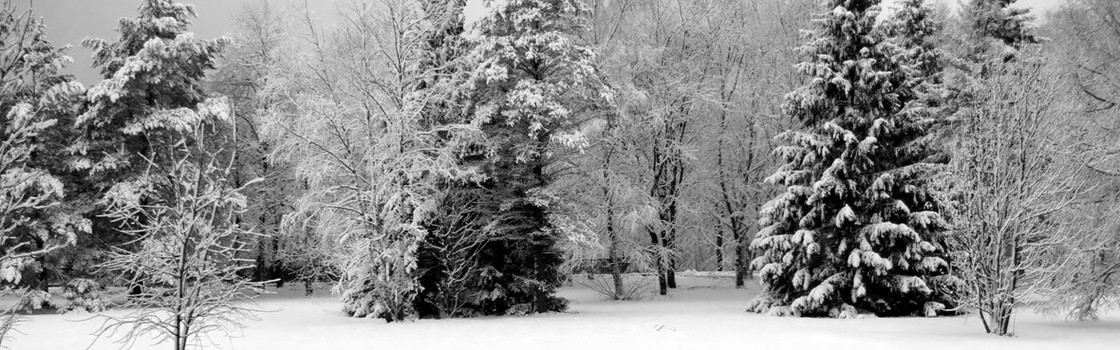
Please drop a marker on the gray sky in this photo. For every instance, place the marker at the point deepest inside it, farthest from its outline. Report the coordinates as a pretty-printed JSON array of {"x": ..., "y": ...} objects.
[{"x": 70, "y": 21}]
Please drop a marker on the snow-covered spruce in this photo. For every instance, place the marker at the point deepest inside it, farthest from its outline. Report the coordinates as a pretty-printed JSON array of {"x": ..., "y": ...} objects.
[
  {"x": 151, "y": 97},
  {"x": 529, "y": 86},
  {"x": 858, "y": 227}
]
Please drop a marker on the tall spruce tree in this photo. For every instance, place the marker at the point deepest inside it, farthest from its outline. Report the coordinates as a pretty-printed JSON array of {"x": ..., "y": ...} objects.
[
  {"x": 532, "y": 85},
  {"x": 151, "y": 96},
  {"x": 855, "y": 230},
  {"x": 151, "y": 93}
]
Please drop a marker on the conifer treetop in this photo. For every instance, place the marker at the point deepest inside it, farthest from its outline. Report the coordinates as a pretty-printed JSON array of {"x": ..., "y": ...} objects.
[{"x": 533, "y": 70}]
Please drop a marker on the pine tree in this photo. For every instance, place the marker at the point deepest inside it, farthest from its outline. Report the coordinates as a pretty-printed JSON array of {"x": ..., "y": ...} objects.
[
  {"x": 151, "y": 96},
  {"x": 996, "y": 19},
  {"x": 531, "y": 86},
  {"x": 152, "y": 93},
  {"x": 855, "y": 230}
]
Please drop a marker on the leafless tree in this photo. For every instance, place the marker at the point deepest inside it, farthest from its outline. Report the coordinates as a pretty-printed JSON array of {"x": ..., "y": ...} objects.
[
  {"x": 1019, "y": 168},
  {"x": 188, "y": 243}
]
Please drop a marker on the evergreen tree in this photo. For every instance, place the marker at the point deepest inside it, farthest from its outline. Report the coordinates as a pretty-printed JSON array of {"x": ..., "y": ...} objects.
[
  {"x": 36, "y": 102},
  {"x": 856, "y": 227},
  {"x": 447, "y": 259},
  {"x": 531, "y": 86},
  {"x": 996, "y": 19},
  {"x": 152, "y": 88},
  {"x": 151, "y": 96},
  {"x": 38, "y": 105},
  {"x": 911, "y": 29}
]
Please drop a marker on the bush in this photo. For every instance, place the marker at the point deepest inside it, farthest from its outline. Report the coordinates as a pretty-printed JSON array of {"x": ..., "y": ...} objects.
[
  {"x": 35, "y": 299},
  {"x": 83, "y": 294}
]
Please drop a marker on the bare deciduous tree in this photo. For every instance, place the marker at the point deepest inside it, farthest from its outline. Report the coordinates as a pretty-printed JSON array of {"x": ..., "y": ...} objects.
[
  {"x": 187, "y": 256},
  {"x": 1018, "y": 184}
]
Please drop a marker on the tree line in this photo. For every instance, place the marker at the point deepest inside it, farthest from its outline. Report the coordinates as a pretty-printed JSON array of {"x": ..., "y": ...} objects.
[{"x": 916, "y": 161}]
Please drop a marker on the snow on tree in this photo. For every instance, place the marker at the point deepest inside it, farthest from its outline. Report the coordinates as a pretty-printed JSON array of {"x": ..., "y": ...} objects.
[
  {"x": 1087, "y": 67},
  {"x": 996, "y": 20},
  {"x": 25, "y": 192},
  {"x": 189, "y": 243},
  {"x": 448, "y": 258},
  {"x": 858, "y": 226},
  {"x": 243, "y": 74},
  {"x": 34, "y": 218},
  {"x": 153, "y": 75},
  {"x": 1019, "y": 210},
  {"x": 531, "y": 87},
  {"x": 37, "y": 107},
  {"x": 83, "y": 294},
  {"x": 1029, "y": 226},
  {"x": 151, "y": 96},
  {"x": 347, "y": 123},
  {"x": 912, "y": 28}
]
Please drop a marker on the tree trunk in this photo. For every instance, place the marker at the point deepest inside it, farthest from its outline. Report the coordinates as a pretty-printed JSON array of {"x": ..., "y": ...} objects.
[
  {"x": 719, "y": 246},
  {"x": 655, "y": 241},
  {"x": 262, "y": 245},
  {"x": 671, "y": 267},
  {"x": 613, "y": 254},
  {"x": 671, "y": 274},
  {"x": 181, "y": 294},
  {"x": 740, "y": 265},
  {"x": 613, "y": 251}
]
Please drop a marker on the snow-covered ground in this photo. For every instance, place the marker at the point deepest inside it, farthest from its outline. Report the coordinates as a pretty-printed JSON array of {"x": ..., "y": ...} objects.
[{"x": 706, "y": 312}]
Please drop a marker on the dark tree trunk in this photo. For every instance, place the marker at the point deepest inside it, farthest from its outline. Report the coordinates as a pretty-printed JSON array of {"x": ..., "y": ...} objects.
[
  {"x": 655, "y": 241},
  {"x": 670, "y": 245},
  {"x": 719, "y": 247},
  {"x": 667, "y": 162},
  {"x": 740, "y": 261},
  {"x": 671, "y": 275}
]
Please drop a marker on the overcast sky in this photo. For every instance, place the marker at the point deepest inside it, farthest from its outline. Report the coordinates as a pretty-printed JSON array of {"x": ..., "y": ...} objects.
[{"x": 70, "y": 21}]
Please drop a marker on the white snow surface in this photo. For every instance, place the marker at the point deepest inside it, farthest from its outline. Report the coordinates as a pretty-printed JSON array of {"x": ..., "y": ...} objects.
[{"x": 705, "y": 312}]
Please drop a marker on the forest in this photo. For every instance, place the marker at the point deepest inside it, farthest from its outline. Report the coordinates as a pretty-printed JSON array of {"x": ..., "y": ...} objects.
[{"x": 429, "y": 162}]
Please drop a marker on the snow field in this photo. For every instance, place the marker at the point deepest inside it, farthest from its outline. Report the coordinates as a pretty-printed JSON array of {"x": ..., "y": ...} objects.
[{"x": 706, "y": 312}]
